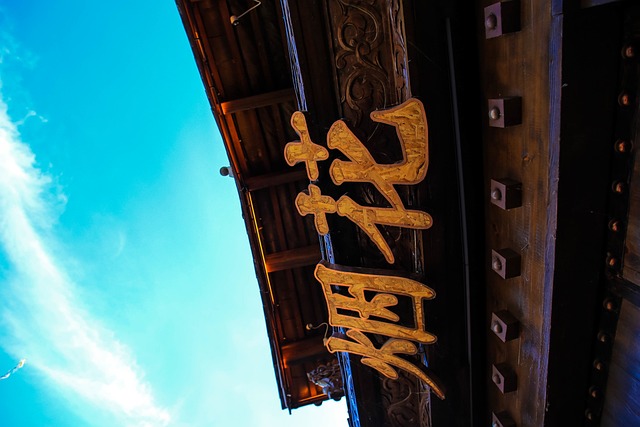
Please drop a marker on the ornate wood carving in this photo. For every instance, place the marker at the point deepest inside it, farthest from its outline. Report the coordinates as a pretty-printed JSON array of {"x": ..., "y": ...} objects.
[
  {"x": 371, "y": 67},
  {"x": 405, "y": 401},
  {"x": 329, "y": 378}
]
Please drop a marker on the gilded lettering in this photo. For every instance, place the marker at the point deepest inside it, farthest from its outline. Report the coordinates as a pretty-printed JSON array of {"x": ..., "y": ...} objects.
[
  {"x": 384, "y": 359},
  {"x": 304, "y": 150},
  {"x": 410, "y": 122},
  {"x": 386, "y": 289}
]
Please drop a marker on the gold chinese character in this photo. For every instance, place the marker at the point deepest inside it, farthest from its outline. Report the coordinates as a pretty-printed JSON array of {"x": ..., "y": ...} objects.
[
  {"x": 369, "y": 309},
  {"x": 386, "y": 289},
  {"x": 384, "y": 359},
  {"x": 304, "y": 150},
  {"x": 318, "y": 205},
  {"x": 410, "y": 122}
]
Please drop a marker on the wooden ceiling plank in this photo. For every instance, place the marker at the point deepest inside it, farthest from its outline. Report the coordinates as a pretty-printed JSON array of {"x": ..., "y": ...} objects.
[
  {"x": 305, "y": 229},
  {"x": 258, "y": 38},
  {"x": 233, "y": 144},
  {"x": 253, "y": 141},
  {"x": 311, "y": 299},
  {"x": 280, "y": 231},
  {"x": 271, "y": 161},
  {"x": 288, "y": 219},
  {"x": 281, "y": 135},
  {"x": 206, "y": 53},
  {"x": 241, "y": 76},
  {"x": 298, "y": 324}
]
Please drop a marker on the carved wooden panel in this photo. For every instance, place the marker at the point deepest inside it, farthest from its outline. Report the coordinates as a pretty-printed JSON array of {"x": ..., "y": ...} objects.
[
  {"x": 369, "y": 55},
  {"x": 406, "y": 404}
]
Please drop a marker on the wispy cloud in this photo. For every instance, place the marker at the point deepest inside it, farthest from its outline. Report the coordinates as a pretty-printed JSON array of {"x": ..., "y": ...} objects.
[{"x": 43, "y": 319}]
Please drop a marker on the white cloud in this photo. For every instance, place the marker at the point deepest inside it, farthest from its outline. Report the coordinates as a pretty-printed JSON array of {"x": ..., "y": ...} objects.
[{"x": 43, "y": 319}]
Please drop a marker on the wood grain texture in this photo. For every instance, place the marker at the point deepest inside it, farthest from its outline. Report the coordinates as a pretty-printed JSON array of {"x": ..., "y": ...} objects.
[{"x": 520, "y": 64}]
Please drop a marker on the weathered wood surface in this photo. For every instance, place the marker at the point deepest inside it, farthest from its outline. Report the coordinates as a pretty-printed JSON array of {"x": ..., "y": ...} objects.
[{"x": 523, "y": 64}]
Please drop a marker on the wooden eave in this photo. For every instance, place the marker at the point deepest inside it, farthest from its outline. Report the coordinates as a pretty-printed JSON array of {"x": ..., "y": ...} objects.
[{"x": 245, "y": 70}]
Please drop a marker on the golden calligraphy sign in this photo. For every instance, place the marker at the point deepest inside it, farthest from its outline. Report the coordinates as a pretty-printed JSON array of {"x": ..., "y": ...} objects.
[
  {"x": 386, "y": 290},
  {"x": 410, "y": 122},
  {"x": 365, "y": 302}
]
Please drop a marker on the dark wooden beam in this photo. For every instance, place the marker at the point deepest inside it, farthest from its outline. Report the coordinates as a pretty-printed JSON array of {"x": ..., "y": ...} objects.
[
  {"x": 293, "y": 258},
  {"x": 257, "y": 101},
  {"x": 302, "y": 350},
  {"x": 267, "y": 180}
]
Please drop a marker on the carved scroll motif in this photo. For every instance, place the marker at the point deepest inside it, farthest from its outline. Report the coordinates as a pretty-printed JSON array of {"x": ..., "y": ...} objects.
[
  {"x": 328, "y": 377},
  {"x": 401, "y": 399},
  {"x": 359, "y": 40}
]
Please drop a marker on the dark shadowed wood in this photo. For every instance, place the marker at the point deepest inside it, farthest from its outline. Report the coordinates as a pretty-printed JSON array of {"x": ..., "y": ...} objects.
[
  {"x": 631, "y": 268},
  {"x": 622, "y": 402},
  {"x": 590, "y": 52},
  {"x": 304, "y": 349},
  {"x": 257, "y": 101},
  {"x": 260, "y": 182}
]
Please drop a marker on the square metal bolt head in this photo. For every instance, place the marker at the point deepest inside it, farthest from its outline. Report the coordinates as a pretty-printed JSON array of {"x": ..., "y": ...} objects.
[
  {"x": 504, "y": 112},
  {"x": 506, "y": 263},
  {"x": 505, "y": 326},
  {"x": 501, "y": 18},
  {"x": 502, "y": 419},
  {"x": 504, "y": 378},
  {"x": 506, "y": 193}
]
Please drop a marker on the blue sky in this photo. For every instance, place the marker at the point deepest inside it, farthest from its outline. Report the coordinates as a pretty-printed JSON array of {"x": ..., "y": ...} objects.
[{"x": 125, "y": 274}]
